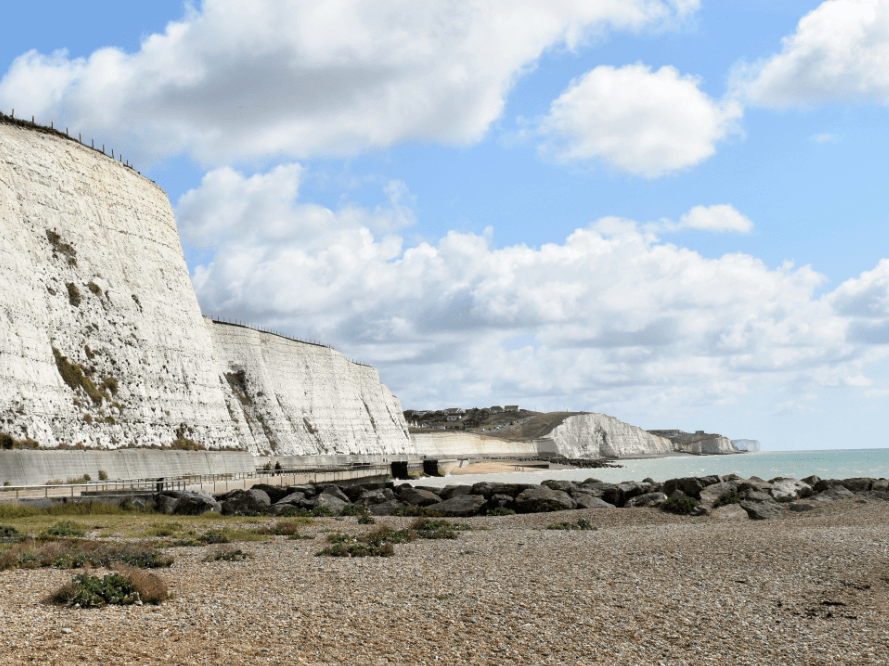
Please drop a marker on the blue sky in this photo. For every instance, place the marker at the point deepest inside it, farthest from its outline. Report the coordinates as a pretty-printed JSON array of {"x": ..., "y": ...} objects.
[{"x": 668, "y": 211}]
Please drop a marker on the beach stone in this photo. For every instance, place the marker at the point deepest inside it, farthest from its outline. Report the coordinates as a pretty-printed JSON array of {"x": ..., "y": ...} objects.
[
  {"x": 730, "y": 512},
  {"x": 800, "y": 507},
  {"x": 592, "y": 502},
  {"x": 832, "y": 494},
  {"x": 559, "y": 484},
  {"x": 811, "y": 480},
  {"x": 677, "y": 494},
  {"x": 826, "y": 484},
  {"x": 306, "y": 489},
  {"x": 371, "y": 497},
  {"x": 418, "y": 497},
  {"x": 858, "y": 485},
  {"x": 714, "y": 491},
  {"x": 762, "y": 510},
  {"x": 452, "y": 491},
  {"x": 544, "y": 499},
  {"x": 386, "y": 508},
  {"x": 611, "y": 493},
  {"x": 646, "y": 499},
  {"x": 329, "y": 500},
  {"x": 461, "y": 505},
  {"x": 336, "y": 492},
  {"x": 881, "y": 485},
  {"x": 241, "y": 502},
  {"x": 788, "y": 490},
  {"x": 194, "y": 504},
  {"x": 709, "y": 480},
  {"x": 275, "y": 493}
]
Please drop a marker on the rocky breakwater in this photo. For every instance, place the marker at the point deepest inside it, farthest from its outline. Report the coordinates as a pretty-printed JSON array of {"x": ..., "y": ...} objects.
[{"x": 726, "y": 497}]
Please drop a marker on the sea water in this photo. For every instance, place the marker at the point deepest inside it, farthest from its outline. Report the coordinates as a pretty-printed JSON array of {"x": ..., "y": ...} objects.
[{"x": 832, "y": 464}]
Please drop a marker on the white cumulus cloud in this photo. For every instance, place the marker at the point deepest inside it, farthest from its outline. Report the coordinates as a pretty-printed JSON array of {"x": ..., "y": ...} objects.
[
  {"x": 244, "y": 80},
  {"x": 610, "y": 314},
  {"x": 649, "y": 123},
  {"x": 839, "y": 52}
]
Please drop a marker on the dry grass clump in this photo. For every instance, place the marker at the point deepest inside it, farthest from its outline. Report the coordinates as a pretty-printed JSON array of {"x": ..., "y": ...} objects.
[
  {"x": 124, "y": 587},
  {"x": 78, "y": 553}
]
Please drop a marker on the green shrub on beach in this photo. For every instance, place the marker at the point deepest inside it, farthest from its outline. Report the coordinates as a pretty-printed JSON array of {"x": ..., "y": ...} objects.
[
  {"x": 501, "y": 511},
  {"x": 679, "y": 505},
  {"x": 416, "y": 511},
  {"x": 123, "y": 588},
  {"x": 727, "y": 498},
  {"x": 581, "y": 524}
]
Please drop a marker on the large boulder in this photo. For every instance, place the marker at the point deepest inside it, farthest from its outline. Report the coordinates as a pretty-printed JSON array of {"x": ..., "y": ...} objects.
[
  {"x": 275, "y": 493},
  {"x": 592, "y": 502},
  {"x": 858, "y": 484},
  {"x": 370, "y": 497},
  {"x": 827, "y": 484},
  {"x": 328, "y": 500},
  {"x": 543, "y": 499},
  {"x": 164, "y": 503},
  {"x": 336, "y": 492},
  {"x": 292, "y": 499},
  {"x": 418, "y": 497},
  {"x": 646, "y": 499},
  {"x": 880, "y": 485},
  {"x": 762, "y": 510},
  {"x": 461, "y": 505},
  {"x": 789, "y": 490},
  {"x": 246, "y": 502},
  {"x": 831, "y": 494},
  {"x": 386, "y": 508},
  {"x": 753, "y": 483},
  {"x": 500, "y": 501},
  {"x": 812, "y": 480},
  {"x": 689, "y": 485},
  {"x": 195, "y": 503},
  {"x": 729, "y": 512},
  {"x": 452, "y": 491},
  {"x": 559, "y": 484},
  {"x": 716, "y": 490},
  {"x": 752, "y": 495}
]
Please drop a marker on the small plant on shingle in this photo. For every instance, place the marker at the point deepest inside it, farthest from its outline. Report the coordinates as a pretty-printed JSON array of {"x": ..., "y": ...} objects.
[
  {"x": 679, "y": 505},
  {"x": 501, "y": 511},
  {"x": 228, "y": 556},
  {"x": 581, "y": 524},
  {"x": 66, "y": 528}
]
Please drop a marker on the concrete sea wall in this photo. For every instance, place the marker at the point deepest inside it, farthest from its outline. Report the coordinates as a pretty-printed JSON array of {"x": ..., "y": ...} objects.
[{"x": 38, "y": 467}]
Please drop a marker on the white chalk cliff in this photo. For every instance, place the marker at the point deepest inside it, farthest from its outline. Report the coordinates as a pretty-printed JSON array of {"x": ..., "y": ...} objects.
[
  {"x": 102, "y": 342},
  {"x": 602, "y": 436}
]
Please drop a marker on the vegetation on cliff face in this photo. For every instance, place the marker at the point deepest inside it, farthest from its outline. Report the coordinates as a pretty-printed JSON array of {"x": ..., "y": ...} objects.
[{"x": 75, "y": 377}]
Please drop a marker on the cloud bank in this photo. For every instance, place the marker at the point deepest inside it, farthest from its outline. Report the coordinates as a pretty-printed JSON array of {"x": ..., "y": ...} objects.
[
  {"x": 610, "y": 314},
  {"x": 270, "y": 78}
]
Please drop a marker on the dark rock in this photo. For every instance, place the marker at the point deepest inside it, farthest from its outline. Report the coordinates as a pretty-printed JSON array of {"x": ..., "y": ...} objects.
[
  {"x": 417, "y": 496},
  {"x": 631, "y": 489},
  {"x": 164, "y": 503},
  {"x": 543, "y": 499},
  {"x": 275, "y": 493},
  {"x": 592, "y": 502},
  {"x": 336, "y": 492},
  {"x": 328, "y": 500},
  {"x": 244, "y": 502},
  {"x": 752, "y": 495},
  {"x": 753, "y": 483},
  {"x": 611, "y": 493},
  {"x": 811, "y": 480},
  {"x": 709, "y": 480},
  {"x": 559, "y": 484},
  {"x": 647, "y": 499},
  {"x": 833, "y": 493},
  {"x": 858, "y": 485},
  {"x": 689, "y": 485},
  {"x": 370, "y": 497},
  {"x": 880, "y": 485},
  {"x": 306, "y": 489},
  {"x": 461, "y": 505},
  {"x": 452, "y": 491},
  {"x": 677, "y": 494},
  {"x": 386, "y": 508},
  {"x": 716, "y": 490},
  {"x": 292, "y": 499},
  {"x": 701, "y": 510},
  {"x": 500, "y": 501},
  {"x": 762, "y": 510},
  {"x": 876, "y": 495},
  {"x": 381, "y": 485},
  {"x": 826, "y": 484},
  {"x": 353, "y": 492},
  {"x": 799, "y": 507}
]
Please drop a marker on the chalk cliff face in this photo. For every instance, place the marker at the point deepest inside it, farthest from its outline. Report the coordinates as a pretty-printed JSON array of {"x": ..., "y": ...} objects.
[
  {"x": 102, "y": 341},
  {"x": 700, "y": 442},
  {"x": 296, "y": 398},
  {"x": 749, "y": 445},
  {"x": 601, "y": 436}
]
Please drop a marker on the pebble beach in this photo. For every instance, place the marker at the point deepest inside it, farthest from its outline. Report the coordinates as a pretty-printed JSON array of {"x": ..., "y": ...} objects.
[{"x": 644, "y": 588}]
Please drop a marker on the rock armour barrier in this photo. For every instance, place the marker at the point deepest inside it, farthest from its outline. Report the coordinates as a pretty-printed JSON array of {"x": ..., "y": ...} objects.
[{"x": 38, "y": 467}]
